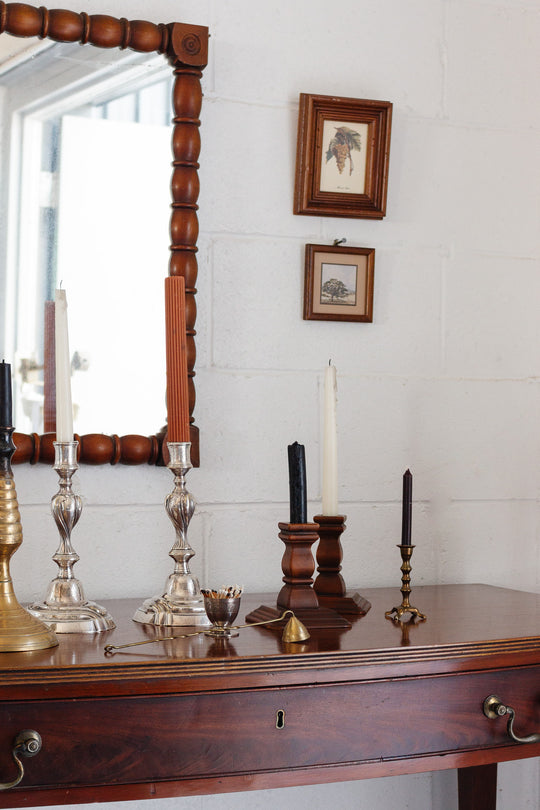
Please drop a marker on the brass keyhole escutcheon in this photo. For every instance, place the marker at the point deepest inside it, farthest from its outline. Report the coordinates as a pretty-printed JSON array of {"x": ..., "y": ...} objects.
[{"x": 280, "y": 718}]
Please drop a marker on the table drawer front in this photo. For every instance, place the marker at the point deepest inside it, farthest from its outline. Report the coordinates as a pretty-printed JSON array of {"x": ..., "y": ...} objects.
[{"x": 130, "y": 740}]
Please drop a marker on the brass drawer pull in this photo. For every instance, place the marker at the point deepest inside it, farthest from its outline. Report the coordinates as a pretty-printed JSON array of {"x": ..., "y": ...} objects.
[
  {"x": 26, "y": 744},
  {"x": 494, "y": 707}
]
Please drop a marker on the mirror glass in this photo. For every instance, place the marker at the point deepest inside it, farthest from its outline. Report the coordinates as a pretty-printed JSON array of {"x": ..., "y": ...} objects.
[{"x": 87, "y": 205}]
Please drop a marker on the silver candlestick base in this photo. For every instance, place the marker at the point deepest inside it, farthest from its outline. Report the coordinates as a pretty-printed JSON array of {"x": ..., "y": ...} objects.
[
  {"x": 65, "y": 608},
  {"x": 182, "y": 603}
]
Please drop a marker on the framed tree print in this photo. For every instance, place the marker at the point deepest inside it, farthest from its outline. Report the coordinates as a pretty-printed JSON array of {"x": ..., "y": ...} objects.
[
  {"x": 338, "y": 283},
  {"x": 342, "y": 157}
]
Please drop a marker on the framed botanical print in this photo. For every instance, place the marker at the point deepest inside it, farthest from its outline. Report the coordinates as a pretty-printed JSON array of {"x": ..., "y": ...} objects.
[
  {"x": 338, "y": 283},
  {"x": 342, "y": 157}
]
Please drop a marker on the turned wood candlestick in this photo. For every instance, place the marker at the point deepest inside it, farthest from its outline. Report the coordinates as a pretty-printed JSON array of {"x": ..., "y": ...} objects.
[
  {"x": 297, "y": 593},
  {"x": 298, "y": 566},
  {"x": 329, "y": 585}
]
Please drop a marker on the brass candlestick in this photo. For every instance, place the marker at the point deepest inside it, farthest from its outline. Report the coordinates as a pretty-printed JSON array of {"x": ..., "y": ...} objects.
[
  {"x": 65, "y": 607},
  {"x": 182, "y": 603},
  {"x": 19, "y": 631},
  {"x": 405, "y": 607}
]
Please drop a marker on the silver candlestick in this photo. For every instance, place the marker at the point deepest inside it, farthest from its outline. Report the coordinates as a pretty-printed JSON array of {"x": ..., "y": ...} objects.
[
  {"x": 182, "y": 603},
  {"x": 65, "y": 608}
]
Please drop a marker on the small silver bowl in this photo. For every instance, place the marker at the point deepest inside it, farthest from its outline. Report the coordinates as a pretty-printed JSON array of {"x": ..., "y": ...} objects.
[{"x": 221, "y": 611}]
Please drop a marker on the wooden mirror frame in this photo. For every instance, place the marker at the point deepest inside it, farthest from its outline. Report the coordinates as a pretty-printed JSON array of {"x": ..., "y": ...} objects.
[{"x": 186, "y": 48}]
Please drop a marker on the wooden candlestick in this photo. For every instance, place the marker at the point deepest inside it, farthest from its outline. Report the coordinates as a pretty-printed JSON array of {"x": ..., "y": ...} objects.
[
  {"x": 330, "y": 585},
  {"x": 298, "y": 566},
  {"x": 297, "y": 593}
]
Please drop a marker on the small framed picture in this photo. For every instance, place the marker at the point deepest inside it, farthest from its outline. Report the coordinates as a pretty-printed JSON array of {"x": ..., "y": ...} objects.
[
  {"x": 338, "y": 284},
  {"x": 342, "y": 156}
]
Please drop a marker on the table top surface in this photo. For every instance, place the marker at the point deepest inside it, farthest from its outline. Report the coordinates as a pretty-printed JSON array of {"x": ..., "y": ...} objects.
[{"x": 465, "y": 623}]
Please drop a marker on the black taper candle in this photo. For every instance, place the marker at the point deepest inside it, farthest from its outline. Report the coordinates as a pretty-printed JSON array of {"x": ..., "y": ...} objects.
[
  {"x": 297, "y": 483},
  {"x": 406, "y": 522},
  {"x": 6, "y": 417}
]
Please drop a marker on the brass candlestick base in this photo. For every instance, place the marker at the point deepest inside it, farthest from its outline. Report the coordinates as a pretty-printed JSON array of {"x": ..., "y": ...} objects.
[
  {"x": 19, "y": 631},
  {"x": 65, "y": 608},
  {"x": 182, "y": 603},
  {"x": 405, "y": 607},
  {"x": 297, "y": 593},
  {"x": 330, "y": 585}
]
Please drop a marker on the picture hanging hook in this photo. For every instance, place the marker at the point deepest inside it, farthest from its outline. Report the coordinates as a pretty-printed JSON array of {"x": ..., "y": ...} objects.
[{"x": 339, "y": 241}]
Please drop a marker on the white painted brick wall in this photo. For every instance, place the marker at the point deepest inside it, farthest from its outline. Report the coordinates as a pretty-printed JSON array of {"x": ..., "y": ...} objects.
[{"x": 446, "y": 379}]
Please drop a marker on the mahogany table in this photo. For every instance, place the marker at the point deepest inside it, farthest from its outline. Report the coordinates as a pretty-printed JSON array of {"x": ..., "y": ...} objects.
[{"x": 197, "y": 715}]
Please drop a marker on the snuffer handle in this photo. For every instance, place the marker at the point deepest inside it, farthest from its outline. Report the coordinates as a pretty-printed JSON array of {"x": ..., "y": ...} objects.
[
  {"x": 27, "y": 743},
  {"x": 494, "y": 707}
]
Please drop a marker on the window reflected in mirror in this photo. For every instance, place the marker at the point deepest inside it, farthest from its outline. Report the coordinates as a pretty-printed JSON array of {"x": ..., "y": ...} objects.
[{"x": 89, "y": 204}]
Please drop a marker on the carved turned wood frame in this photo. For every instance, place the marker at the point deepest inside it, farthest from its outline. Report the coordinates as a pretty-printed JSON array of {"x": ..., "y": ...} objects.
[{"x": 186, "y": 48}]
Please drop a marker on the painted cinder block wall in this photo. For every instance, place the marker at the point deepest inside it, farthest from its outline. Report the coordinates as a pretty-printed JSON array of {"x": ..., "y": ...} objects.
[{"x": 444, "y": 381}]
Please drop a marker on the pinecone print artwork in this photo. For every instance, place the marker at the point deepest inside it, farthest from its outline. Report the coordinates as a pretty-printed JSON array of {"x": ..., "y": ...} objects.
[{"x": 340, "y": 147}]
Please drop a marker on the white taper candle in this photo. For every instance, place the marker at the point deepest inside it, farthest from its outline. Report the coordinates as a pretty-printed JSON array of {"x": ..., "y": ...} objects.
[{"x": 329, "y": 469}]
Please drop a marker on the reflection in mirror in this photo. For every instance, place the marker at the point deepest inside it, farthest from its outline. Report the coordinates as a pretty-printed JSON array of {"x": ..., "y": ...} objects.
[
  {"x": 186, "y": 48},
  {"x": 91, "y": 148}
]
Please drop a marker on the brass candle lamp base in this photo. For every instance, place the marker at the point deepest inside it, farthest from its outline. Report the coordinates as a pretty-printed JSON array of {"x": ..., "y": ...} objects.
[
  {"x": 405, "y": 607},
  {"x": 329, "y": 585},
  {"x": 19, "y": 631}
]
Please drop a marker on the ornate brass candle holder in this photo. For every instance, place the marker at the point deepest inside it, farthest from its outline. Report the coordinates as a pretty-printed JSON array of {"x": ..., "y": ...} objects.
[
  {"x": 18, "y": 629},
  {"x": 182, "y": 603},
  {"x": 65, "y": 607},
  {"x": 405, "y": 607}
]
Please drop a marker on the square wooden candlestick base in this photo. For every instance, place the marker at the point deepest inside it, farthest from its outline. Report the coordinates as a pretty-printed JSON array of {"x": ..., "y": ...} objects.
[
  {"x": 351, "y": 603},
  {"x": 297, "y": 593},
  {"x": 319, "y": 618}
]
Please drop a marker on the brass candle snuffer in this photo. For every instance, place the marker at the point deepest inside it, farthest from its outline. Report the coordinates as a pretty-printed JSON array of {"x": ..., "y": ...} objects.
[{"x": 222, "y": 608}]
